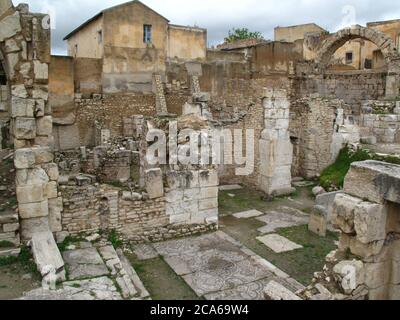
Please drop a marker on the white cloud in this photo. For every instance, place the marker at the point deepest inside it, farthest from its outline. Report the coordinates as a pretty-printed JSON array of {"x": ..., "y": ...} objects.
[{"x": 218, "y": 16}]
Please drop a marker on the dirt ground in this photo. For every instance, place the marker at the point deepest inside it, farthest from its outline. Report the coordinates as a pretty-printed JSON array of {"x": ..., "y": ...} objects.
[{"x": 15, "y": 280}]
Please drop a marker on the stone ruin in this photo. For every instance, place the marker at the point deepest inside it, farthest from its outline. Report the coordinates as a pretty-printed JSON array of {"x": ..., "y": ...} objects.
[{"x": 113, "y": 185}]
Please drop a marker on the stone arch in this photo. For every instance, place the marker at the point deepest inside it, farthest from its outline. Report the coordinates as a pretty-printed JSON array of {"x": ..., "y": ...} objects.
[
  {"x": 383, "y": 42},
  {"x": 337, "y": 40}
]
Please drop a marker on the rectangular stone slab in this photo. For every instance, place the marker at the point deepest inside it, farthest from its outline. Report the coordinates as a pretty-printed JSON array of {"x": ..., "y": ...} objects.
[
  {"x": 46, "y": 252},
  {"x": 230, "y": 187},
  {"x": 278, "y": 243},
  {"x": 248, "y": 214}
]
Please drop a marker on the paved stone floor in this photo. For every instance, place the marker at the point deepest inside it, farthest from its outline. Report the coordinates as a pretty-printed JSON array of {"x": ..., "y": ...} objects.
[
  {"x": 282, "y": 217},
  {"x": 278, "y": 243},
  {"x": 216, "y": 266},
  {"x": 94, "y": 273}
]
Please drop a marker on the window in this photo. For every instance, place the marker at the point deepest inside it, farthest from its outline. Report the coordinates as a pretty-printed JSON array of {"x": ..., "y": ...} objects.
[
  {"x": 147, "y": 33},
  {"x": 100, "y": 36},
  {"x": 349, "y": 57},
  {"x": 368, "y": 64}
]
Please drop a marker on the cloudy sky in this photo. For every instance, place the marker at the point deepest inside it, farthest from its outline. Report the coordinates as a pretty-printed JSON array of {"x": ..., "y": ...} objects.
[{"x": 219, "y": 16}]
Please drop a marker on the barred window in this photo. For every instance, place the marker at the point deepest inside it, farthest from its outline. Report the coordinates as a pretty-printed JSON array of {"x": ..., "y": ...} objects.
[{"x": 147, "y": 33}]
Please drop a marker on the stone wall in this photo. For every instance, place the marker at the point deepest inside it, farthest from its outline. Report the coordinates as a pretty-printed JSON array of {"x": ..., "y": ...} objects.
[
  {"x": 380, "y": 122},
  {"x": 366, "y": 265},
  {"x": 90, "y": 207}
]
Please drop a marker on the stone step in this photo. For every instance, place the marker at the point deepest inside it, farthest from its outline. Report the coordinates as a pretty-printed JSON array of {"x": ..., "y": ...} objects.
[
  {"x": 10, "y": 252},
  {"x": 276, "y": 291},
  {"x": 134, "y": 278}
]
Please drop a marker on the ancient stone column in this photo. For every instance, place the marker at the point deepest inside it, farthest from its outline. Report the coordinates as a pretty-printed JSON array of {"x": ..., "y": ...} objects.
[{"x": 276, "y": 150}]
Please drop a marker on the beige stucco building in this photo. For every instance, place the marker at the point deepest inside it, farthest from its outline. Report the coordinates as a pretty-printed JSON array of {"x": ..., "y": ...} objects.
[{"x": 134, "y": 42}]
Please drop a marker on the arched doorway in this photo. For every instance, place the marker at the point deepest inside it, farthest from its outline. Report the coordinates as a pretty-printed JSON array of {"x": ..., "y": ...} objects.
[{"x": 384, "y": 45}]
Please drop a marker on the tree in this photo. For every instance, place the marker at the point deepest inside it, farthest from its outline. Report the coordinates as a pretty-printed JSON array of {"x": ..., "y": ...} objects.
[{"x": 242, "y": 34}]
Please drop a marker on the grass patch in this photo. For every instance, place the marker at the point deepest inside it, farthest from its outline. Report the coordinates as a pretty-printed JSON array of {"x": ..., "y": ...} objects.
[
  {"x": 6, "y": 244},
  {"x": 115, "y": 240},
  {"x": 25, "y": 259},
  {"x": 160, "y": 280},
  {"x": 68, "y": 241},
  {"x": 332, "y": 178}
]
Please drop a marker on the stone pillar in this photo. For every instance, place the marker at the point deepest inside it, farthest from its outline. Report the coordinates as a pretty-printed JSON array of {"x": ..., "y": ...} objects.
[
  {"x": 276, "y": 150},
  {"x": 31, "y": 122},
  {"x": 158, "y": 89},
  {"x": 393, "y": 79}
]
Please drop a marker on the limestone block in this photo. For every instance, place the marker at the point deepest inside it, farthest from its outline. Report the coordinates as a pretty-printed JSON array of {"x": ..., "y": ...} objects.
[
  {"x": 208, "y": 192},
  {"x": 201, "y": 96},
  {"x": 50, "y": 190},
  {"x": 41, "y": 70},
  {"x": 377, "y": 274},
  {"x": 31, "y": 177},
  {"x": 189, "y": 108},
  {"x": 9, "y": 26},
  {"x": 25, "y": 128},
  {"x": 154, "y": 183},
  {"x": 22, "y": 107},
  {"x": 40, "y": 93},
  {"x": 208, "y": 178},
  {"x": 40, "y": 108},
  {"x": 343, "y": 212},
  {"x": 174, "y": 196},
  {"x": 43, "y": 155},
  {"x": 10, "y": 227},
  {"x": 318, "y": 221},
  {"x": 184, "y": 207},
  {"x": 32, "y": 226},
  {"x": 24, "y": 158},
  {"x": 19, "y": 91},
  {"x": 44, "y": 126},
  {"x": 365, "y": 251},
  {"x": 51, "y": 170},
  {"x": 33, "y": 210},
  {"x": 45, "y": 141},
  {"x": 179, "y": 219},
  {"x": 68, "y": 137},
  {"x": 276, "y": 291},
  {"x": 352, "y": 272},
  {"x": 326, "y": 200},
  {"x": 45, "y": 252},
  {"x": 191, "y": 194},
  {"x": 55, "y": 209},
  {"x": 200, "y": 217},
  {"x": 370, "y": 222},
  {"x": 30, "y": 193},
  {"x": 395, "y": 274},
  {"x": 374, "y": 181},
  {"x": 208, "y": 204}
]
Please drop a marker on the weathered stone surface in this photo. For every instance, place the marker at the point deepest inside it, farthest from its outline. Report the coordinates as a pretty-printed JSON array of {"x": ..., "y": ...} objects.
[
  {"x": 352, "y": 273},
  {"x": 25, "y": 128},
  {"x": 278, "y": 243},
  {"x": 22, "y": 107},
  {"x": 370, "y": 222},
  {"x": 9, "y": 26},
  {"x": 154, "y": 183},
  {"x": 248, "y": 214},
  {"x": 276, "y": 291},
  {"x": 282, "y": 217},
  {"x": 31, "y": 226},
  {"x": 318, "y": 221},
  {"x": 43, "y": 155},
  {"x": 84, "y": 263},
  {"x": 51, "y": 170},
  {"x": 374, "y": 180},
  {"x": 30, "y": 193},
  {"x": 32, "y": 176},
  {"x": 55, "y": 209},
  {"x": 44, "y": 126},
  {"x": 41, "y": 70},
  {"x": 33, "y": 210},
  {"x": 24, "y": 158},
  {"x": 343, "y": 212},
  {"x": 50, "y": 190},
  {"x": 46, "y": 253}
]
